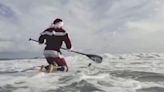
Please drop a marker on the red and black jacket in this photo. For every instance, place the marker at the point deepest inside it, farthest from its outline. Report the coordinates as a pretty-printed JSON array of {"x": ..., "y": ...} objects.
[{"x": 54, "y": 38}]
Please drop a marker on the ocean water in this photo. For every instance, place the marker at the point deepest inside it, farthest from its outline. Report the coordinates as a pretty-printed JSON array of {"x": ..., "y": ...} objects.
[{"x": 140, "y": 72}]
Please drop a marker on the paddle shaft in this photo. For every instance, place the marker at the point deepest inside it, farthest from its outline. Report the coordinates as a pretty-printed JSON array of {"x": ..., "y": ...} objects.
[
  {"x": 95, "y": 58},
  {"x": 63, "y": 48}
]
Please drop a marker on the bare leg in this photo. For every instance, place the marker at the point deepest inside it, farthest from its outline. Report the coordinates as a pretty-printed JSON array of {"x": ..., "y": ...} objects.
[
  {"x": 52, "y": 68},
  {"x": 42, "y": 68}
]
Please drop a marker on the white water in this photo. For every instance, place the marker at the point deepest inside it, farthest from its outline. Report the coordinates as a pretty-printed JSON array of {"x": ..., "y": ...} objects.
[{"x": 117, "y": 73}]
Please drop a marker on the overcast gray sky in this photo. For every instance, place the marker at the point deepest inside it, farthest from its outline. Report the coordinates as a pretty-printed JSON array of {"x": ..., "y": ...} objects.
[{"x": 95, "y": 26}]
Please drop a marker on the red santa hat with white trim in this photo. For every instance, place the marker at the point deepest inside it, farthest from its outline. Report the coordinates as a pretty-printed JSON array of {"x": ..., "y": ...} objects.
[{"x": 57, "y": 23}]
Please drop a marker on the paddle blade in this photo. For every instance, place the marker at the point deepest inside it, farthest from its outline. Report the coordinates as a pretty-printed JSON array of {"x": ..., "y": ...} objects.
[{"x": 95, "y": 58}]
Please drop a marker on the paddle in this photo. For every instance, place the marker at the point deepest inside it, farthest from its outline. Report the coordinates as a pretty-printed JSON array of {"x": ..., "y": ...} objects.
[{"x": 95, "y": 58}]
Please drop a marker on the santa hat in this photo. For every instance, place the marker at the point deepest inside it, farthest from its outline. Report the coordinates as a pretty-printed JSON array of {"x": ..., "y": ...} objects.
[{"x": 57, "y": 23}]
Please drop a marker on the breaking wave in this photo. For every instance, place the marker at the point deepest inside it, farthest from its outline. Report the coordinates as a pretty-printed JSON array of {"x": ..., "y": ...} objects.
[{"x": 131, "y": 74}]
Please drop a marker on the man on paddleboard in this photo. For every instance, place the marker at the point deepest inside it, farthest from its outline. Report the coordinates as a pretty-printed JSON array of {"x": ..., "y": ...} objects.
[{"x": 53, "y": 37}]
